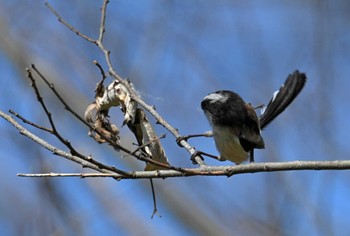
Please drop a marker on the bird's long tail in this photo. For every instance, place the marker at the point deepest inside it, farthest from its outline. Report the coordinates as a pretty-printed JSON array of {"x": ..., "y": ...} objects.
[{"x": 282, "y": 97}]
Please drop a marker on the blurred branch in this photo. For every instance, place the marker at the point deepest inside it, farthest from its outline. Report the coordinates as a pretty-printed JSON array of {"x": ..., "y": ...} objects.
[{"x": 213, "y": 170}]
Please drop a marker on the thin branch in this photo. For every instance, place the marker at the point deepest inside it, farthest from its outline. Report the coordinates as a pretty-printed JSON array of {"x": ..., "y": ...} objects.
[
  {"x": 100, "y": 88},
  {"x": 214, "y": 170},
  {"x": 54, "y": 131},
  {"x": 81, "y": 159},
  {"x": 52, "y": 87},
  {"x": 60, "y": 19},
  {"x": 68, "y": 108},
  {"x": 158, "y": 117},
  {"x": 144, "y": 145},
  {"x": 84, "y": 162},
  {"x": 133, "y": 94},
  {"x": 149, "y": 108},
  {"x": 103, "y": 20},
  {"x": 155, "y": 210},
  {"x": 29, "y": 122},
  {"x": 39, "y": 97}
]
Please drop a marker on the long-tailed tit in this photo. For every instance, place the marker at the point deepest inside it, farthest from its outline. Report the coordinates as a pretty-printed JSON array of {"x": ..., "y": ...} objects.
[{"x": 235, "y": 125}]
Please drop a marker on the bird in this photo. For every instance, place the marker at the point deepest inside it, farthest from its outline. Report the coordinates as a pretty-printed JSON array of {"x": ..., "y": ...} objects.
[{"x": 236, "y": 127}]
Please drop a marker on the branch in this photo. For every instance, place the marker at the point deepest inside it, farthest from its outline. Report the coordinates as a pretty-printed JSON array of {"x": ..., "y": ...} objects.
[
  {"x": 81, "y": 159},
  {"x": 24, "y": 120},
  {"x": 60, "y": 19},
  {"x": 86, "y": 161},
  {"x": 214, "y": 170},
  {"x": 103, "y": 20},
  {"x": 53, "y": 130},
  {"x": 183, "y": 172},
  {"x": 115, "y": 75},
  {"x": 76, "y": 115},
  {"x": 68, "y": 108},
  {"x": 140, "y": 148}
]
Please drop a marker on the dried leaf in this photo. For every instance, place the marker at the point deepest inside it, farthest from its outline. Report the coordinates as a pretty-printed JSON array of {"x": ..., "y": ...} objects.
[
  {"x": 154, "y": 148},
  {"x": 101, "y": 124},
  {"x": 117, "y": 94}
]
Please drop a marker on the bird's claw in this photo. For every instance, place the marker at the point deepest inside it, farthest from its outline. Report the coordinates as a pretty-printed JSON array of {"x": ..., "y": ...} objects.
[
  {"x": 194, "y": 155},
  {"x": 179, "y": 139}
]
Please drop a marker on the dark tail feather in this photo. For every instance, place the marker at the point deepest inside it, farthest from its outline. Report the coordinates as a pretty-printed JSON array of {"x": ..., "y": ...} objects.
[{"x": 283, "y": 97}]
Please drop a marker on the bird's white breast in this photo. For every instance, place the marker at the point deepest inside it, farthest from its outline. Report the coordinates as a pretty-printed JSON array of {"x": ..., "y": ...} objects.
[{"x": 228, "y": 145}]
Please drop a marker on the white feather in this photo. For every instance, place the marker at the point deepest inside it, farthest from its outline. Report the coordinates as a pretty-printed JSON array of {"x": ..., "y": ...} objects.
[{"x": 216, "y": 97}]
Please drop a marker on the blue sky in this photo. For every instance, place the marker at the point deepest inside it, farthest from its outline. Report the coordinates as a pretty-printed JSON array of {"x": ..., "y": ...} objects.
[{"x": 176, "y": 52}]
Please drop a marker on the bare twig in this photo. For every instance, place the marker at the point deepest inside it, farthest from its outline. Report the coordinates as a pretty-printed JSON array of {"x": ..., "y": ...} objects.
[
  {"x": 115, "y": 75},
  {"x": 87, "y": 162},
  {"x": 144, "y": 145},
  {"x": 158, "y": 118},
  {"x": 52, "y": 87},
  {"x": 155, "y": 210},
  {"x": 48, "y": 114},
  {"x": 99, "y": 88},
  {"x": 29, "y": 122},
  {"x": 103, "y": 20},
  {"x": 54, "y": 131},
  {"x": 133, "y": 94},
  {"x": 68, "y": 108},
  {"x": 208, "y": 170},
  {"x": 60, "y": 19},
  {"x": 215, "y": 170}
]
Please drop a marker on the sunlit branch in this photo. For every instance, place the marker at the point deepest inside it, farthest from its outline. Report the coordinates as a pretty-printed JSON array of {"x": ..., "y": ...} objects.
[{"x": 214, "y": 170}]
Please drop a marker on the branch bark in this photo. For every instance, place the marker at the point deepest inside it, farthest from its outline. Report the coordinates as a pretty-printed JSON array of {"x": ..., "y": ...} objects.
[
  {"x": 88, "y": 162},
  {"x": 108, "y": 171},
  {"x": 213, "y": 170}
]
